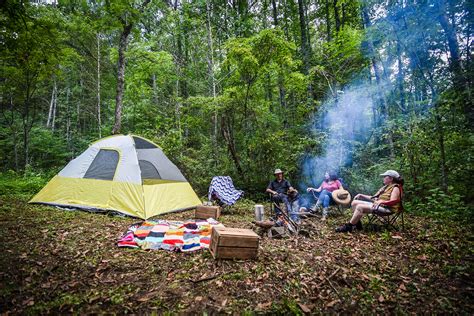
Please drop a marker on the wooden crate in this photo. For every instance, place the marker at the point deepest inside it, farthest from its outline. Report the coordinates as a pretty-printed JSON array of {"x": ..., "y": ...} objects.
[
  {"x": 206, "y": 211},
  {"x": 230, "y": 243}
]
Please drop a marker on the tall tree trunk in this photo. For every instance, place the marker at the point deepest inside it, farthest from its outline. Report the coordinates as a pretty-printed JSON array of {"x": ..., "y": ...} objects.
[
  {"x": 78, "y": 104},
  {"x": 328, "y": 21},
  {"x": 127, "y": 28},
  {"x": 443, "y": 168},
  {"x": 305, "y": 48},
  {"x": 53, "y": 122},
  {"x": 210, "y": 61},
  {"x": 336, "y": 16},
  {"x": 381, "y": 100},
  {"x": 99, "y": 124},
  {"x": 228, "y": 136},
  {"x": 400, "y": 77},
  {"x": 343, "y": 18},
  {"x": 68, "y": 119},
  {"x": 304, "y": 37},
  {"x": 281, "y": 87},
  {"x": 52, "y": 105},
  {"x": 275, "y": 13},
  {"x": 372, "y": 55},
  {"x": 450, "y": 33}
]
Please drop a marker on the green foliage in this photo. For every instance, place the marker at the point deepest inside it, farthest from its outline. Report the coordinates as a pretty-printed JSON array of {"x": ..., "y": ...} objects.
[
  {"x": 440, "y": 205},
  {"x": 13, "y": 184},
  {"x": 221, "y": 89}
]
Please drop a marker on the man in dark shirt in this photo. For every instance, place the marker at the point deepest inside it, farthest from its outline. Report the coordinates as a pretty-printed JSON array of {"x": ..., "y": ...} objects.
[{"x": 278, "y": 188}]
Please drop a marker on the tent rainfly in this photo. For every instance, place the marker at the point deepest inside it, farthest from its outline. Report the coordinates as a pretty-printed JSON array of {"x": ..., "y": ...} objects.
[{"x": 128, "y": 174}]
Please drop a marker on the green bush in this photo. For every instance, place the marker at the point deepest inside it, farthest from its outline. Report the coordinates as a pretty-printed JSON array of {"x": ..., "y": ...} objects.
[
  {"x": 29, "y": 183},
  {"x": 441, "y": 205}
]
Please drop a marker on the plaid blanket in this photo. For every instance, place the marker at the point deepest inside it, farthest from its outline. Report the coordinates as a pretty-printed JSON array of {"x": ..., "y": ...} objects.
[{"x": 169, "y": 235}]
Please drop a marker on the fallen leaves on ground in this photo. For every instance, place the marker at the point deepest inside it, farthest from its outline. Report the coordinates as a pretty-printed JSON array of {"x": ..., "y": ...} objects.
[{"x": 55, "y": 261}]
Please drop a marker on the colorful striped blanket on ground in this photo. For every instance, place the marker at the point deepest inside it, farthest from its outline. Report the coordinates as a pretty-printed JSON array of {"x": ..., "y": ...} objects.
[{"x": 169, "y": 235}]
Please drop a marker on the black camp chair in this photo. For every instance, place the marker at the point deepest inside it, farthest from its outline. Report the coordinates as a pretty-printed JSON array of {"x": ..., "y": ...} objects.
[{"x": 394, "y": 221}]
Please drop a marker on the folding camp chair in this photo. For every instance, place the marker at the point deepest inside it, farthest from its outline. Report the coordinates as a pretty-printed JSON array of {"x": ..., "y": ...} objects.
[
  {"x": 336, "y": 209},
  {"x": 388, "y": 221},
  {"x": 223, "y": 192}
]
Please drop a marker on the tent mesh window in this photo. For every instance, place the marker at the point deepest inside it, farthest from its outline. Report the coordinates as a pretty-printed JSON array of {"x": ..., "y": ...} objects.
[
  {"x": 140, "y": 143},
  {"x": 104, "y": 165},
  {"x": 148, "y": 170}
]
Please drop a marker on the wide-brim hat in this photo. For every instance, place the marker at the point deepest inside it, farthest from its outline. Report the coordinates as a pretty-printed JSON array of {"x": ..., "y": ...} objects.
[
  {"x": 277, "y": 171},
  {"x": 342, "y": 197}
]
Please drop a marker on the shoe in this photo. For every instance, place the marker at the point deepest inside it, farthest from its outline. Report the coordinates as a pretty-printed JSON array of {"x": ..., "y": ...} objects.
[
  {"x": 346, "y": 228},
  {"x": 358, "y": 226}
]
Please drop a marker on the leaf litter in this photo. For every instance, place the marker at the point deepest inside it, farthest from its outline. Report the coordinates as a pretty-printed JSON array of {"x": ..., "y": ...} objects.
[{"x": 56, "y": 262}]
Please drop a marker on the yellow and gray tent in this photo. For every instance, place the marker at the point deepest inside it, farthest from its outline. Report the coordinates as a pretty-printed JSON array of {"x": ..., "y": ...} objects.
[{"x": 128, "y": 174}]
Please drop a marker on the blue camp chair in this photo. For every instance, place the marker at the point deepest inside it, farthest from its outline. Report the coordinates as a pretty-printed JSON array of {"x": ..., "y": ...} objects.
[{"x": 339, "y": 209}]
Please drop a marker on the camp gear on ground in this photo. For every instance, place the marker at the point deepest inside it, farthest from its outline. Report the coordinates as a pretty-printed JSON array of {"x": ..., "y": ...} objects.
[
  {"x": 124, "y": 173},
  {"x": 259, "y": 212},
  {"x": 230, "y": 243},
  {"x": 207, "y": 211},
  {"x": 265, "y": 224},
  {"x": 391, "y": 173},
  {"x": 342, "y": 197},
  {"x": 277, "y": 171},
  {"x": 284, "y": 219},
  {"x": 169, "y": 235},
  {"x": 222, "y": 189}
]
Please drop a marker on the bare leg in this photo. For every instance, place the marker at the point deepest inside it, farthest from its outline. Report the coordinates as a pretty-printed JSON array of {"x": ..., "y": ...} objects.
[
  {"x": 359, "y": 211},
  {"x": 355, "y": 203}
]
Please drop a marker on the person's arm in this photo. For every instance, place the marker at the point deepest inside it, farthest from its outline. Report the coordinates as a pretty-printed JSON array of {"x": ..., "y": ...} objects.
[
  {"x": 362, "y": 196},
  {"x": 376, "y": 195},
  {"x": 394, "y": 198},
  {"x": 320, "y": 188},
  {"x": 270, "y": 189}
]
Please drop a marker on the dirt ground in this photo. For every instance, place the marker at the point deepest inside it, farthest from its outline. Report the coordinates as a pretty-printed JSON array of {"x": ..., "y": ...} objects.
[{"x": 56, "y": 261}]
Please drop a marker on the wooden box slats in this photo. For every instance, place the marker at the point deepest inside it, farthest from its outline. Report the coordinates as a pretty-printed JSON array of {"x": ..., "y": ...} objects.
[
  {"x": 233, "y": 243},
  {"x": 206, "y": 211}
]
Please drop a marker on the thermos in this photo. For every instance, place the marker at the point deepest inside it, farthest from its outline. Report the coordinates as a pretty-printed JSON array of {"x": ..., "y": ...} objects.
[{"x": 259, "y": 212}]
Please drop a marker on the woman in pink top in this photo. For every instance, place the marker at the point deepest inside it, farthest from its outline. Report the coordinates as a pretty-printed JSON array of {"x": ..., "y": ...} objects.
[{"x": 330, "y": 184}]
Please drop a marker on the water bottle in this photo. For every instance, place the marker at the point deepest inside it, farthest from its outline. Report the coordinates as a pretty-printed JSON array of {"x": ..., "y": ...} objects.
[{"x": 259, "y": 212}]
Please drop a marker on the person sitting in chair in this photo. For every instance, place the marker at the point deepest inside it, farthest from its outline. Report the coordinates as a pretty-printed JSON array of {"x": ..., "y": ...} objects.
[
  {"x": 278, "y": 188},
  {"x": 329, "y": 185},
  {"x": 386, "y": 201}
]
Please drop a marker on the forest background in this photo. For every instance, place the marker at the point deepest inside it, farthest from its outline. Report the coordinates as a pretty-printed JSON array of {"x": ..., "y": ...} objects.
[{"x": 242, "y": 87}]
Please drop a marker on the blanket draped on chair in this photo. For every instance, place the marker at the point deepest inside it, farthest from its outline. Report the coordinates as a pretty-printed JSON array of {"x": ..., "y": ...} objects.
[{"x": 222, "y": 188}]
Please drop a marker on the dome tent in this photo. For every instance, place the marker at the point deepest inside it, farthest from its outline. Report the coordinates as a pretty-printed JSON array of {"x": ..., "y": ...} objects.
[{"x": 124, "y": 173}]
